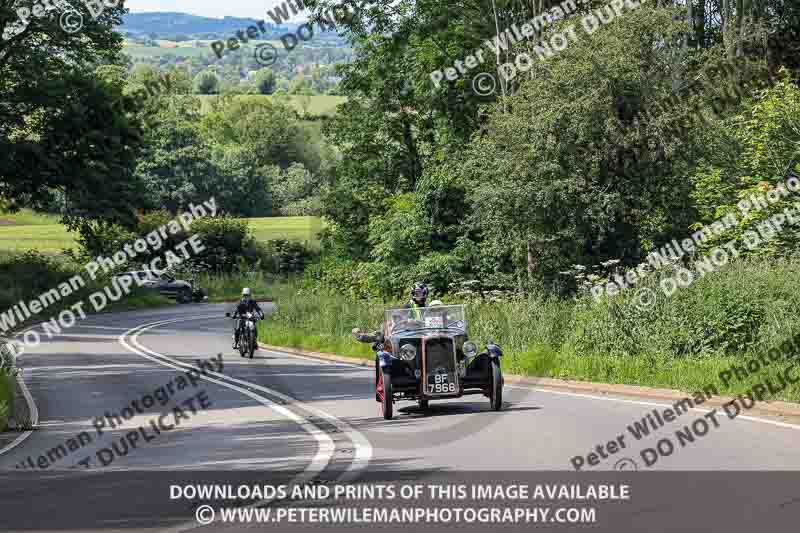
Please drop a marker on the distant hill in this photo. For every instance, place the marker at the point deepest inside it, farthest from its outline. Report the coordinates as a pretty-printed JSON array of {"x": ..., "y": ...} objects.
[{"x": 167, "y": 23}]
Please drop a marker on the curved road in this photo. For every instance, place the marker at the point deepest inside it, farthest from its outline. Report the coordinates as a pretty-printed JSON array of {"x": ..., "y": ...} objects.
[{"x": 303, "y": 419}]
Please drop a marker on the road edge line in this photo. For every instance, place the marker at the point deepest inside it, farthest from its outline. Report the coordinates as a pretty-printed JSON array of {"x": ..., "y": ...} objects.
[
  {"x": 34, "y": 419},
  {"x": 363, "y": 448},
  {"x": 135, "y": 347},
  {"x": 772, "y": 408},
  {"x": 177, "y": 364}
]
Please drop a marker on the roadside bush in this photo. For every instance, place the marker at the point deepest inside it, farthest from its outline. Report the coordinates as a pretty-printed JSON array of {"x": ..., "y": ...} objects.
[
  {"x": 100, "y": 240},
  {"x": 281, "y": 256},
  {"x": 229, "y": 244},
  {"x": 26, "y": 275}
]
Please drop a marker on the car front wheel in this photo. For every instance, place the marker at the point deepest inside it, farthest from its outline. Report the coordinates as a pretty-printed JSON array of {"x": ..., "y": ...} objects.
[
  {"x": 384, "y": 393},
  {"x": 496, "y": 397}
]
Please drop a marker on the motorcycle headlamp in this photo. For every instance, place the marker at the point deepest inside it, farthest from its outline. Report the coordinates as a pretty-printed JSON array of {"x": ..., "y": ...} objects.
[
  {"x": 408, "y": 352},
  {"x": 470, "y": 349}
]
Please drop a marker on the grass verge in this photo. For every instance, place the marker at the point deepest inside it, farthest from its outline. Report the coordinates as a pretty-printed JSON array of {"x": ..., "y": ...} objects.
[
  {"x": 7, "y": 388},
  {"x": 684, "y": 341}
]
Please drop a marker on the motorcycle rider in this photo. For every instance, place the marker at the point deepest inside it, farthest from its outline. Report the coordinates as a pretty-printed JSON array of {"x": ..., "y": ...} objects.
[
  {"x": 419, "y": 295},
  {"x": 245, "y": 305}
]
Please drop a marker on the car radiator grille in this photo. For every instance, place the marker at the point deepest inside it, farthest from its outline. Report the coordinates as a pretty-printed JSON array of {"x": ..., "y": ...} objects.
[{"x": 439, "y": 356}]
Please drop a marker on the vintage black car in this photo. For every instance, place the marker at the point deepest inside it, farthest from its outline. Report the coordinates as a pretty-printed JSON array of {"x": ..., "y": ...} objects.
[
  {"x": 183, "y": 291},
  {"x": 423, "y": 354}
]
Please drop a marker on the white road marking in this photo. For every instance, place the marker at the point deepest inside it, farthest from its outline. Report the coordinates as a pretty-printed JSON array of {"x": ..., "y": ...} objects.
[
  {"x": 103, "y": 327},
  {"x": 325, "y": 444},
  {"x": 363, "y": 448},
  {"x": 577, "y": 395},
  {"x": 34, "y": 418},
  {"x": 654, "y": 404}
]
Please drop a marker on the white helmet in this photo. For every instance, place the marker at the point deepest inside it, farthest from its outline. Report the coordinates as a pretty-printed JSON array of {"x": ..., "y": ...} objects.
[
  {"x": 435, "y": 302},
  {"x": 246, "y": 291}
]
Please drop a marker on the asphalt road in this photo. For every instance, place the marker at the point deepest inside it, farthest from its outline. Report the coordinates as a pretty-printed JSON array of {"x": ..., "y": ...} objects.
[{"x": 302, "y": 419}]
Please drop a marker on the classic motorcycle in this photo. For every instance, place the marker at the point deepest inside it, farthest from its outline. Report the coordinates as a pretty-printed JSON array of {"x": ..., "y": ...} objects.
[{"x": 247, "y": 337}]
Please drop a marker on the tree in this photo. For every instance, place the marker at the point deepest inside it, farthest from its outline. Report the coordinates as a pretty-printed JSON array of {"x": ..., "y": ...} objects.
[
  {"x": 206, "y": 82},
  {"x": 266, "y": 81},
  {"x": 65, "y": 129},
  {"x": 564, "y": 180},
  {"x": 296, "y": 191}
]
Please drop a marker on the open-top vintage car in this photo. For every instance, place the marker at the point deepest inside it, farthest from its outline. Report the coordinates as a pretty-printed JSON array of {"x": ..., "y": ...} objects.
[{"x": 423, "y": 354}]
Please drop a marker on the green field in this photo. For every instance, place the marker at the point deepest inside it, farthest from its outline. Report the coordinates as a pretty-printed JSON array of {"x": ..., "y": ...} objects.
[
  {"x": 319, "y": 104},
  {"x": 292, "y": 228},
  {"x": 142, "y": 52},
  {"x": 26, "y": 217},
  {"x": 138, "y": 51},
  {"x": 27, "y": 230}
]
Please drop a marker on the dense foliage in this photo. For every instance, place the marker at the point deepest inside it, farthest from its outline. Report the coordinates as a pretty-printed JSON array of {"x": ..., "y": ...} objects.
[
  {"x": 639, "y": 132},
  {"x": 629, "y": 137},
  {"x": 65, "y": 134}
]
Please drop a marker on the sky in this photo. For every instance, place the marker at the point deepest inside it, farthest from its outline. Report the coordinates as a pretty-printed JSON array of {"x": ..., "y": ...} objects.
[{"x": 256, "y": 9}]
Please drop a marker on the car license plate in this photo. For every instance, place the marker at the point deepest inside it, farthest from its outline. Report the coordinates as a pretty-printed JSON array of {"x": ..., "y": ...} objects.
[{"x": 440, "y": 383}]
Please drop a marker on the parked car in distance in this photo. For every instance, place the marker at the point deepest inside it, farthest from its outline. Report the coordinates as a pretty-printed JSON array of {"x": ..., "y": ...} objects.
[{"x": 183, "y": 291}]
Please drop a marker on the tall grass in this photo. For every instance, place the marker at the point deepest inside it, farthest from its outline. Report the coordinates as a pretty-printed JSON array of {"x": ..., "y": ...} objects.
[
  {"x": 6, "y": 399},
  {"x": 318, "y": 321},
  {"x": 682, "y": 341},
  {"x": 7, "y": 387},
  {"x": 228, "y": 287}
]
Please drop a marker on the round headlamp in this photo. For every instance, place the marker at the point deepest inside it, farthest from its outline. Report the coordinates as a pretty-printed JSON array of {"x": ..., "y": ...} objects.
[
  {"x": 408, "y": 352},
  {"x": 470, "y": 349}
]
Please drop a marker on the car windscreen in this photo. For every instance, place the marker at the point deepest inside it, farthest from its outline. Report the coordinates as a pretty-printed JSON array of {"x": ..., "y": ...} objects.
[{"x": 419, "y": 318}]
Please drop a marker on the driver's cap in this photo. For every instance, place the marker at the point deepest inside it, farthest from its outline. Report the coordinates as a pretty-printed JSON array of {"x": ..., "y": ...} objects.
[{"x": 246, "y": 291}]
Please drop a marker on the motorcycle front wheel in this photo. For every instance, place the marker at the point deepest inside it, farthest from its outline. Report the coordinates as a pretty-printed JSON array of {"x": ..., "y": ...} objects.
[{"x": 243, "y": 343}]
